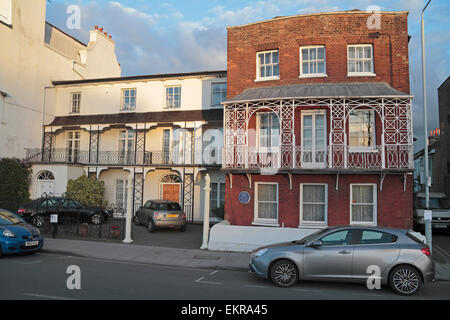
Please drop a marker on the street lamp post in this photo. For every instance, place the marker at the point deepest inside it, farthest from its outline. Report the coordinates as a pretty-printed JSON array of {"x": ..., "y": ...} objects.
[{"x": 428, "y": 232}]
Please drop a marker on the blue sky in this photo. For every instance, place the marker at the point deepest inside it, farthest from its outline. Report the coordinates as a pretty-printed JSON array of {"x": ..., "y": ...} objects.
[{"x": 163, "y": 36}]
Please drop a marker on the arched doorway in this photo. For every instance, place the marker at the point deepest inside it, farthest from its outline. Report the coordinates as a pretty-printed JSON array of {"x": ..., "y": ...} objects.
[
  {"x": 170, "y": 188},
  {"x": 45, "y": 183}
]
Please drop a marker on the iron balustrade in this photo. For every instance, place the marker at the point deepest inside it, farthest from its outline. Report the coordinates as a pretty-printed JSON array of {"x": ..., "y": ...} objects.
[
  {"x": 322, "y": 157},
  {"x": 57, "y": 155}
]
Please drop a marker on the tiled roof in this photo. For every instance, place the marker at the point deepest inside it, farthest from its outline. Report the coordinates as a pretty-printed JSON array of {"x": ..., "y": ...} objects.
[
  {"x": 133, "y": 117},
  {"x": 365, "y": 89}
]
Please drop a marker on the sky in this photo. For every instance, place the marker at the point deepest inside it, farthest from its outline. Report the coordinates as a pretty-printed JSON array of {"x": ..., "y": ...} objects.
[{"x": 168, "y": 36}]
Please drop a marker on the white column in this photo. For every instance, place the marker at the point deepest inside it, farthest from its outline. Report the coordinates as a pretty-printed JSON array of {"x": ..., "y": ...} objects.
[
  {"x": 206, "y": 212},
  {"x": 129, "y": 210}
]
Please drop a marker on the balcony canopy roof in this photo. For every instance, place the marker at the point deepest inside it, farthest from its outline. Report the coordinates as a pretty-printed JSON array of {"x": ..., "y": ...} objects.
[
  {"x": 318, "y": 90},
  {"x": 134, "y": 117}
]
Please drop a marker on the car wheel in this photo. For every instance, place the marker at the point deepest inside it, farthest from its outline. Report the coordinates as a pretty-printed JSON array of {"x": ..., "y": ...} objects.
[
  {"x": 38, "y": 221},
  {"x": 405, "y": 280},
  {"x": 151, "y": 226},
  {"x": 96, "y": 218},
  {"x": 136, "y": 220},
  {"x": 284, "y": 273}
]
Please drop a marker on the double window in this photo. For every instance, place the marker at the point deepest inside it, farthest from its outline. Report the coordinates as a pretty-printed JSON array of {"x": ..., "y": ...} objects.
[
  {"x": 267, "y": 65},
  {"x": 128, "y": 100},
  {"x": 75, "y": 102},
  {"x": 312, "y": 61},
  {"x": 363, "y": 204},
  {"x": 360, "y": 60},
  {"x": 219, "y": 93},
  {"x": 266, "y": 203},
  {"x": 173, "y": 97}
]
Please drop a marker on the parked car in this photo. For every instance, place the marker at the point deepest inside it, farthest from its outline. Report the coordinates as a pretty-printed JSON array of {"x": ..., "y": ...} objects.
[
  {"x": 344, "y": 254},
  {"x": 440, "y": 211},
  {"x": 157, "y": 214},
  {"x": 38, "y": 211},
  {"x": 18, "y": 236}
]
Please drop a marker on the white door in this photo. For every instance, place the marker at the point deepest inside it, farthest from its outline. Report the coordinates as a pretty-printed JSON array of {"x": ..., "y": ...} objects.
[
  {"x": 46, "y": 187},
  {"x": 314, "y": 149}
]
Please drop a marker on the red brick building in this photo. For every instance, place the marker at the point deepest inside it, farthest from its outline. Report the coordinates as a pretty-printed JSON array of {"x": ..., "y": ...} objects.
[{"x": 318, "y": 122}]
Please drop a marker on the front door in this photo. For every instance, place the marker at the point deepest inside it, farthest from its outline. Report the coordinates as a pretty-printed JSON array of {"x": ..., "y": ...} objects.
[
  {"x": 171, "y": 192},
  {"x": 333, "y": 259}
]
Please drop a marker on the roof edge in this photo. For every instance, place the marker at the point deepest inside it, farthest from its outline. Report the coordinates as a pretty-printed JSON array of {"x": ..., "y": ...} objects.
[
  {"x": 316, "y": 14},
  {"x": 65, "y": 33}
]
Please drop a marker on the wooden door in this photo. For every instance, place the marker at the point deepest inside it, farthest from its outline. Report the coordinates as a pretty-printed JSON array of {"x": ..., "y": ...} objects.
[{"x": 171, "y": 192}]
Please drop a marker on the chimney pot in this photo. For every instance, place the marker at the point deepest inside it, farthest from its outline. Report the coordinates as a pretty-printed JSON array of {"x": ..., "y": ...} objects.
[
  {"x": 106, "y": 33},
  {"x": 109, "y": 36},
  {"x": 96, "y": 28},
  {"x": 101, "y": 29}
]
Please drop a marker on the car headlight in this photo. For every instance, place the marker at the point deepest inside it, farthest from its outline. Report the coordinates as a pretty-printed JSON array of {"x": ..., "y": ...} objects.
[
  {"x": 8, "y": 234},
  {"x": 259, "y": 253}
]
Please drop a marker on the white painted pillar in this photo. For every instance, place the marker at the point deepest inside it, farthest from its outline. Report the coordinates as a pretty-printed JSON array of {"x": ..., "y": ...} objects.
[
  {"x": 206, "y": 212},
  {"x": 129, "y": 210}
]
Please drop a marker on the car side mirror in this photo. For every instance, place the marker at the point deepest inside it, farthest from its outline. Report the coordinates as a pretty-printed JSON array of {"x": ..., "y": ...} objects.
[{"x": 316, "y": 244}]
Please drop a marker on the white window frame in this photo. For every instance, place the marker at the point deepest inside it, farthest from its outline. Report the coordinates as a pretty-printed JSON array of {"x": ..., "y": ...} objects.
[
  {"x": 375, "y": 205},
  {"x": 78, "y": 101},
  {"x": 258, "y": 122},
  {"x": 313, "y": 224},
  {"x": 313, "y": 75},
  {"x": 220, "y": 184},
  {"x": 313, "y": 113},
  {"x": 165, "y": 97},
  {"x": 258, "y": 73},
  {"x": 126, "y": 151},
  {"x": 264, "y": 221},
  {"x": 373, "y": 147},
  {"x": 124, "y": 193},
  {"x": 212, "y": 93},
  {"x": 361, "y": 74},
  {"x": 122, "y": 100}
]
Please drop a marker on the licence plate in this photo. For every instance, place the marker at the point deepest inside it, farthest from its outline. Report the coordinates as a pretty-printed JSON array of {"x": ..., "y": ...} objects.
[
  {"x": 172, "y": 216},
  {"x": 31, "y": 243},
  {"x": 440, "y": 226}
]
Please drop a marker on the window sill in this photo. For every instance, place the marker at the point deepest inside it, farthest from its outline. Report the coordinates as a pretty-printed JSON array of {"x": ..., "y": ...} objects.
[
  {"x": 267, "y": 79},
  {"x": 362, "y": 149},
  {"x": 361, "y": 74},
  {"x": 318, "y": 75},
  {"x": 265, "y": 224},
  {"x": 127, "y": 110},
  {"x": 312, "y": 226}
]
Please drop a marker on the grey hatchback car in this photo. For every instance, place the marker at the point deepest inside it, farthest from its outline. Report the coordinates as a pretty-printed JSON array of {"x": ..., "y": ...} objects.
[
  {"x": 345, "y": 254},
  {"x": 161, "y": 214}
]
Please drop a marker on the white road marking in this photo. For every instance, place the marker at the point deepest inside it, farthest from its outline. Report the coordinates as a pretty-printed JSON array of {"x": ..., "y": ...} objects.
[
  {"x": 43, "y": 296},
  {"x": 200, "y": 280},
  {"x": 441, "y": 250}
]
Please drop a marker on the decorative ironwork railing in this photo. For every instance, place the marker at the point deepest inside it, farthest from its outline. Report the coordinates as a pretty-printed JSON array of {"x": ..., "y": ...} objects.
[
  {"x": 124, "y": 158},
  {"x": 324, "y": 157}
]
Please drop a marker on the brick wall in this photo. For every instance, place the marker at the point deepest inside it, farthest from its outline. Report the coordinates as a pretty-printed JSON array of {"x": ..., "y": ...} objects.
[
  {"x": 394, "y": 206},
  {"x": 335, "y": 31}
]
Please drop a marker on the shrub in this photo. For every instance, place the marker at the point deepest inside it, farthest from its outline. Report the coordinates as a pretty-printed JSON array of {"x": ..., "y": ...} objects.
[
  {"x": 14, "y": 184},
  {"x": 86, "y": 190}
]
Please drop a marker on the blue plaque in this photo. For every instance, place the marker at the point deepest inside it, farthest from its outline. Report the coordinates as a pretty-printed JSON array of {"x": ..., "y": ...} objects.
[{"x": 244, "y": 197}]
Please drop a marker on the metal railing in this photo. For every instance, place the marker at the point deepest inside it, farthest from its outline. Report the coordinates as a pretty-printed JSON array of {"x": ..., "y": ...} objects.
[
  {"x": 56, "y": 155},
  {"x": 325, "y": 157}
]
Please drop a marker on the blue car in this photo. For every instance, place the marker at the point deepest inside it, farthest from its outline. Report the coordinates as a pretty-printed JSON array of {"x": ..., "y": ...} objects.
[{"x": 18, "y": 236}]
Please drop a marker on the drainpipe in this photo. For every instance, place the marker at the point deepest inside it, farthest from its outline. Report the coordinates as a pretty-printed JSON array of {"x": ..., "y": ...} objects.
[{"x": 3, "y": 95}]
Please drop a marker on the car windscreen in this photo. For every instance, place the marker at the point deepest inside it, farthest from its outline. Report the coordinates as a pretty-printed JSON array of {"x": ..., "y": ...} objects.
[
  {"x": 7, "y": 218},
  {"x": 167, "y": 206}
]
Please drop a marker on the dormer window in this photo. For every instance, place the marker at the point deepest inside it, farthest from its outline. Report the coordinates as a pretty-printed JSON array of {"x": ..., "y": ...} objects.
[{"x": 267, "y": 65}]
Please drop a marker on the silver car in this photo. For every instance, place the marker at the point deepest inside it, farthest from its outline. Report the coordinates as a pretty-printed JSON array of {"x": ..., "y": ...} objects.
[
  {"x": 157, "y": 214},
  {"x": 345, "y": 254}
]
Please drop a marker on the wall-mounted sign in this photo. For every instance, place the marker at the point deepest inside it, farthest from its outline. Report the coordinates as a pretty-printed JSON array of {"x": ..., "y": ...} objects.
[
  {"x": 244, "y": 197},
  {"x": 54, "y": 218}
]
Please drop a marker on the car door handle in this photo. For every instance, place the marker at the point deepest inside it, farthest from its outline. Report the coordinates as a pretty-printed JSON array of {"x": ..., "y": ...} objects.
[{"x": 345, "y": 252}]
